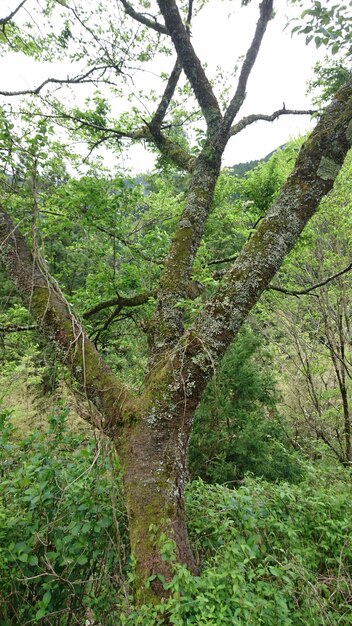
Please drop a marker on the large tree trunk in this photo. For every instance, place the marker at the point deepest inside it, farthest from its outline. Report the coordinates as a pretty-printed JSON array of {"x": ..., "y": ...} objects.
[
  {"x": 155, "y": 476},
  {"x": 153, "y": 453}
]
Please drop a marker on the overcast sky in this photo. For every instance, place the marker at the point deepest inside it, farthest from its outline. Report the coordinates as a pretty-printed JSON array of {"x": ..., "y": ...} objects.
[{"x": 222, "y": 32}]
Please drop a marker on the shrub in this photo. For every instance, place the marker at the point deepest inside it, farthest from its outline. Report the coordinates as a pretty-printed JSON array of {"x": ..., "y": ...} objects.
[{"x": 62, "y": 526}]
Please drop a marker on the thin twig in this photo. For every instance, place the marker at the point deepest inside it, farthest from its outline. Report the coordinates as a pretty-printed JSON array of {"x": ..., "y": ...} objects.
[{"x": 306, "y": 291}]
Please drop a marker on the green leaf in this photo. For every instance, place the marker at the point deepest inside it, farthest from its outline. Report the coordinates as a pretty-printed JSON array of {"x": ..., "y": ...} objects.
[
  {"x": 82, "y": 559},
  {"x": 46, "y": 598},
  {"x": 33, "y": 559}
]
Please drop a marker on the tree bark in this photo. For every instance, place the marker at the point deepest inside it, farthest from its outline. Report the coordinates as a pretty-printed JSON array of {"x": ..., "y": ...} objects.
[
  {"x": 49, "y": 308},
  {"x": 155, "y": 475}
]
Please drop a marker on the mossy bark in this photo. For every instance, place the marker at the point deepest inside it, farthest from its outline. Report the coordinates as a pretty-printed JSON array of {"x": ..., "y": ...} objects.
[
  {"x": 94, "y": 380},
  {"x": 167, "y": 325},
  {"x": 155, "y": 475}
]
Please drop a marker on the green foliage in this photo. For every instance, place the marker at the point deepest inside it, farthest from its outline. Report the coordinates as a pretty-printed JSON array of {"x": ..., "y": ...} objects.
[
  {"x": 104, "y": 234},
  {"x": 239, "y": 203},
  {"x": 312, "y": 333},
  {"x": 330, "y": 76},
  {"x": 236, "y": 428},
  {"x": 272, "y": 554},
  {"x": 261, "y": 185},
  {"x": 62, "y": 526},
  {"x": 327, "y": 24}
]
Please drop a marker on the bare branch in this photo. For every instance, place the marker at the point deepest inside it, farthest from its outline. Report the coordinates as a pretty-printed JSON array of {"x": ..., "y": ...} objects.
[
  {"x": 289, "y": 292},
  {"x": 58, "y": 81},
  {"x": 143, "y": 19},
  {"x": 160, "y": 113},
  {"x": 266, "y": 9},
  {"x": 320, "y": 433},
  {"x": 225, "y": 260},
  {"x": 303, "y": 292},
  {"x": 189, "y": 16},
  {"x": 250, "y": 119},
  {"x": 8, "y": 18},
  {"x": 115, "y": 313},
  {"x": 190, "y": 62}
]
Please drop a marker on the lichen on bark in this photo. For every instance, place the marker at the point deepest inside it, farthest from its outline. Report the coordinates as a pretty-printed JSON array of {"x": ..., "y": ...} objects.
[{"x": 328, "y": 169}]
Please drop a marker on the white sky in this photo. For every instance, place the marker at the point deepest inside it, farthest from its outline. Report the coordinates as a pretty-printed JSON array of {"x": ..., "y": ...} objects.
[
  {"x": 282, "y": 70},
  {"x": 221, "y": 33}
]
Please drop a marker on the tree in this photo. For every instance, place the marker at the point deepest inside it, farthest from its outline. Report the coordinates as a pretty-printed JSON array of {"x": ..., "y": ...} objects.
[
  {"x": 237, "y": 428},
  {"x": 151, "y": 431}
]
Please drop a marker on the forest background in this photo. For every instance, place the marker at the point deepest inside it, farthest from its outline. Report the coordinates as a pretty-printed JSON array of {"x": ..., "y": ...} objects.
[{"x": 268, "y": 501}]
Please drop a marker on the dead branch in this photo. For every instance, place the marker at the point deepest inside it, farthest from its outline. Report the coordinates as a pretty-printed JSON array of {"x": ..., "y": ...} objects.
[
  {"x": 266, "y": 9},
  {"x": 143, "y": 18},
  {"x": 76, "y": 80}
]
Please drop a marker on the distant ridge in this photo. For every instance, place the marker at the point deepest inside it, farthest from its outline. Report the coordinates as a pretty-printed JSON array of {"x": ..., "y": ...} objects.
[{"x": 240, "y": 169}]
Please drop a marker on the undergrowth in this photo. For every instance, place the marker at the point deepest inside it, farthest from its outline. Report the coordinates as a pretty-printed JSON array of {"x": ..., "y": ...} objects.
[{"x": 270, "y": 554}]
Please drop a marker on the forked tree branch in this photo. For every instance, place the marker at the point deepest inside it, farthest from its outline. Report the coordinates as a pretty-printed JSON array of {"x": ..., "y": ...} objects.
[
  {"x": 121, "y": 302},
  {"x": 171, "y": 85},
  {"x": 8, "y": 18},
  {"x": 190, "y": 62}
]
